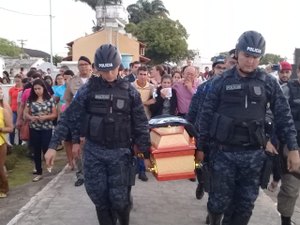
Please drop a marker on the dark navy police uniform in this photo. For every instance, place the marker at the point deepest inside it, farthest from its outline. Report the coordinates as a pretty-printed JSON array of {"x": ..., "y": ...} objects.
[
  {"x": 112, "y": 118},
  {"x": 232, "y": 118}
]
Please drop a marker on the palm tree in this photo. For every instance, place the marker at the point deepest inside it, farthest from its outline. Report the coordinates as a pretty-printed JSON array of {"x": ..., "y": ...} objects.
[
  {"x": 94, "y": 3},
  {"x": 143, "y": 10}
]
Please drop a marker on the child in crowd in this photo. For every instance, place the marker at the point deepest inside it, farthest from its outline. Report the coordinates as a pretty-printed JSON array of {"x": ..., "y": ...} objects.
[
  {"x": 166, "y": 100},
  {"x": 176, "y": 76}
]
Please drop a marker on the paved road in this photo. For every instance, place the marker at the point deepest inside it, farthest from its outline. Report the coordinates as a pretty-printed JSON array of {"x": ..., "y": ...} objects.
[{"x": 159, "y": 203}]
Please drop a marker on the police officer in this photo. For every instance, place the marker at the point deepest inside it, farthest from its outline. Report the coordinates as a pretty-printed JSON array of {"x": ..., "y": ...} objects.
[
  {"x": 114, "y": 120},
  {"x": 290, "y": 183},
  {"x": 232, "y": 118},
  {"x": 218, "y": 68}
]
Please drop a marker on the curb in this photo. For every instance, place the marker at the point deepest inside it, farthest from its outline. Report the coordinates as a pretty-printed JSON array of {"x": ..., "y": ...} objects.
[{"x": 36, "y": 197}]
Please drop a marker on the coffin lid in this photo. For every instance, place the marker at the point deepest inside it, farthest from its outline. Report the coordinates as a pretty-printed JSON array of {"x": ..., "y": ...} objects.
[{"x": 165, "y": 121}]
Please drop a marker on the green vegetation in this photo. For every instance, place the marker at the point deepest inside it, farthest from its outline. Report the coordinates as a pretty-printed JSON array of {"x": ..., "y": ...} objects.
[
  {"x": 20, "y": 166},
  {"x": 94, "y": 3},
  {"x": 165, "y": 39},
  {"x": 270, "y": 58},
  {"x": 144, "y": 10},
  {"x": 9, "y": 48}
]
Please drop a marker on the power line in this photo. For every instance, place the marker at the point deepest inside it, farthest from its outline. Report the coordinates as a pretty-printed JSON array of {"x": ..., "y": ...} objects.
[{"x": 23, "y": 13}]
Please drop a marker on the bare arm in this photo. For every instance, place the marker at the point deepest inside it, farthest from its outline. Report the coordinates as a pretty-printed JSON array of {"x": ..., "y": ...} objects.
[
  {"x": 68, "y": 94},
  {"x": 7, "y": 120},
  {"x": 20, "y": 115}
]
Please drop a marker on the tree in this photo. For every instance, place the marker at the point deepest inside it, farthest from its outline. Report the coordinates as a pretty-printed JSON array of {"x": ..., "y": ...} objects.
[
  {"x": 9, "y": 48},
  {"x": 144, "y": 10},
  {"x": 165, "y": 39},
  {"x": 270, "y": 58},
  {"x": 57, "y": 59},
  {"x": 191, "y": 54},
  {"x": 94, "y": 3}
]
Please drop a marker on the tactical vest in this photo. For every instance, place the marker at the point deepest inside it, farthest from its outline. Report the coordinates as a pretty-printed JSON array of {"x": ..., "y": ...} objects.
[
  {"x": 108, "y": 121},
  {"x": 240, "y": 116},
  {"x": 294, "y": 101}
]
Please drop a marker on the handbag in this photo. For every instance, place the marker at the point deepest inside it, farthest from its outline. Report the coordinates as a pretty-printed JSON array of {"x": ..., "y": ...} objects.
[{"x": 24, "y": 131}]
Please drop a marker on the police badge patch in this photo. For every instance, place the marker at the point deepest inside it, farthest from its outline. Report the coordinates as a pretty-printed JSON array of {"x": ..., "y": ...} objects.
[
  {"x": 120, "y": 103},
  {"x": 257, "y": 90}
]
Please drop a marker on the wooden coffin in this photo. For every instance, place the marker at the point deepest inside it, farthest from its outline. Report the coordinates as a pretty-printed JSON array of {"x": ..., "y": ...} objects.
[{"x": 172, "y": 153}]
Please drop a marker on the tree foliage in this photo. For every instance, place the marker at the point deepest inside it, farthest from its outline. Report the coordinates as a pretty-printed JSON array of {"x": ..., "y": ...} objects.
[
  {"x": 144, "y": 10},
  {"x": 191, "y": 54},
  {"x": 57, "y": 59},
  {"x": 9, "y": 48},
  {"x": 165, "y": 39},
  {"x": 94, "y": 3},
  {"x": 270, "y": 58}
]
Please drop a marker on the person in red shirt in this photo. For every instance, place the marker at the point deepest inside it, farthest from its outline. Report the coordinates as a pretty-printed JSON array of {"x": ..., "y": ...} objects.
[{"x": 13, "y": 95}]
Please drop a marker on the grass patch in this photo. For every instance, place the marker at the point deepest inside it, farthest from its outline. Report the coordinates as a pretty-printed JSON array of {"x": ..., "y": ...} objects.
[
  {"x": 21, "y": 173},
  {"x": 20, "y": 166}
]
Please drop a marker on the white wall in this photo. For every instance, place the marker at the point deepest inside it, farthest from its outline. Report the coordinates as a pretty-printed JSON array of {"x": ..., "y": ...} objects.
[
  {"x": 2, "y": 66},
  {"x": 5, "y": 88}
]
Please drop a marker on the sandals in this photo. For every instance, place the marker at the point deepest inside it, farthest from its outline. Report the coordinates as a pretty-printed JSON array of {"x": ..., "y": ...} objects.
[
  {"x": 3, "y": 195},
  {"x": 272, "y": 186}
]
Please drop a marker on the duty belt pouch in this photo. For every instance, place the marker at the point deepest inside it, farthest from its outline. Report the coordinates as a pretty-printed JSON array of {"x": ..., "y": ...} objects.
[
  {"x": 132, "y": 171},
  {"x": 257, "y": 136},
  {"x": 206, "y": 177},
  {"x": 266, "y": 171},
  {"x": 96, "y": 128},
  {"x": 224, "y": 129},
  {"x": 109, "y": 124},
  {"x": 214, "y": 125}
]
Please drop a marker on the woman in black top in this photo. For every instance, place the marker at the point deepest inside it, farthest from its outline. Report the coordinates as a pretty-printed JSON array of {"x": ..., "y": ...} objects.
[{"x": 166, "y": 100}]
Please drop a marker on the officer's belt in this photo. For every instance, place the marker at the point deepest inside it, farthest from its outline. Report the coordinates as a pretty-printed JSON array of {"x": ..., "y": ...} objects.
[
  {"x": 112, "y": 146},
  {"x": 236, "y": 148}
]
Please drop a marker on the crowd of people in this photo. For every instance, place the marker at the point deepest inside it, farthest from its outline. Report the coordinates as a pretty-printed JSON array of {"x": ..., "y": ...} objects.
[{"x": 101, "y": 118}]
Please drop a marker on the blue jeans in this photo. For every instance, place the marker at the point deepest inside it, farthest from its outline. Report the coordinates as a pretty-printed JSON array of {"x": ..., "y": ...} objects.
[
  {"x": 140, "y": 166},
  {"x": 39, "y": 141},
  {"x": 12, "y": 134}
]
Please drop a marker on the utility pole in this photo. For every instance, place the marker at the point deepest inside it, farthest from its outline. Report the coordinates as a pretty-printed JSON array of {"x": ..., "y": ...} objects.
[
  {"x": 22, "y": 43},
  {"x": 51, "y": 52}
]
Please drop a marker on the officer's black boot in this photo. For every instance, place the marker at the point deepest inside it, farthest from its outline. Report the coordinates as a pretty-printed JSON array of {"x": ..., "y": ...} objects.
[
  {"x": 123, "y": 216},
  {"x": 215, "y": 219},
  {"x": 207, "y": 219},
  {"x": 239, "y": 219},
  {"x": 106, "y": 217},
  {"x": 227, "y": 218},
  {"x": 286, "y": 220},
  {"x": 200, "y": 191}
]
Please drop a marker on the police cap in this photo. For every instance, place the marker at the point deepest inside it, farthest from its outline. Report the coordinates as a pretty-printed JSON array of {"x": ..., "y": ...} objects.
[
  {"x": 218, "y": 60},
  {"x": 252, "y": 43},
  {"x": 107, "y": 57}
]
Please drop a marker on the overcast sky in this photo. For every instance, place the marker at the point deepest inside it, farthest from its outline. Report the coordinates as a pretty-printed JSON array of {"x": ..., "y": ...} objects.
[{"x": 213, "y": 26}]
